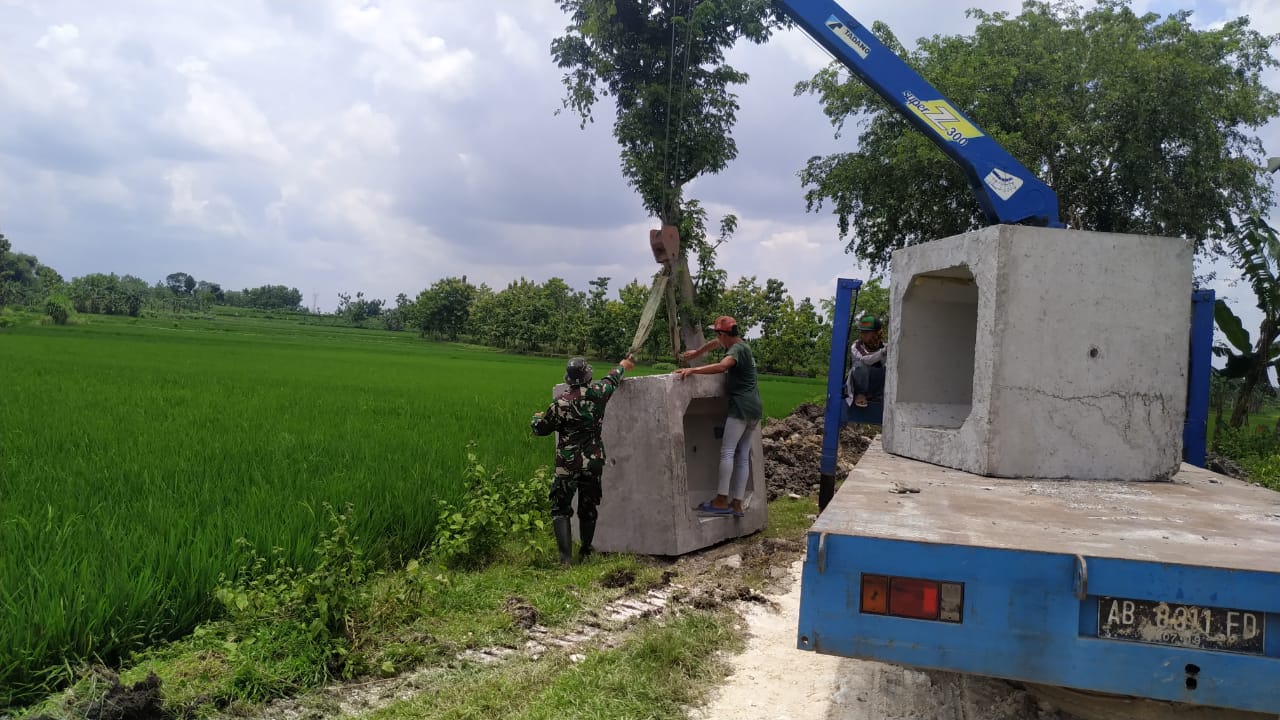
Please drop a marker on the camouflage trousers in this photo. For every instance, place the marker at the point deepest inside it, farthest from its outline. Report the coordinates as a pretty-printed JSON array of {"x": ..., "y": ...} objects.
[{"x": 585, "y": 483}]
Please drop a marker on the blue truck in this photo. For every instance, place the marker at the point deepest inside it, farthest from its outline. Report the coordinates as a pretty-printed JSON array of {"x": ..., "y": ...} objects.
[{"x": 1165, "y": 592}]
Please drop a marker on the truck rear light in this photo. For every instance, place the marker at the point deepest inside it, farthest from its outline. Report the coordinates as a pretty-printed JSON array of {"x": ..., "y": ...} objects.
[
  {"x": 875, "y": 594},
  {"x": 912, "y": 598}
]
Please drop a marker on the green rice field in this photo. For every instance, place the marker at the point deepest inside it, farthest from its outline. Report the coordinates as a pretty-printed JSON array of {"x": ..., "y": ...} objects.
[{"x": 133, "y": 453}]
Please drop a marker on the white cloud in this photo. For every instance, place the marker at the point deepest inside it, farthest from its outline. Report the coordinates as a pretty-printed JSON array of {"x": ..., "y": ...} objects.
[
  {"x": 344, "y": 145},
  {"x": 400, "y": 53},
  {"x": 790, "y": 241},
  {"x": 369, "y": 130},
  {"x": 516, "y": 43},
  {"x": 223, "y": 118},
  {"x": 194, "y": 205},
  {"x": 58, "y": 36}
]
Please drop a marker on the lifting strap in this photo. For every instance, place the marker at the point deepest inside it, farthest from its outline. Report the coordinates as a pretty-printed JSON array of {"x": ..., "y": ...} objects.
[{"x": 660, "y": 282}]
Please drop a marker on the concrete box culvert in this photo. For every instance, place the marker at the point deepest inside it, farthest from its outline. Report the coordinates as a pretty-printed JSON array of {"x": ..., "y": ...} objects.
[
  {"x": 662, "y": 443},
  {"x": 1040, "y": 353}
]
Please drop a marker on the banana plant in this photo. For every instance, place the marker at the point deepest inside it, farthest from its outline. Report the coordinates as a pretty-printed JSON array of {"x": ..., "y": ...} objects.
[
  {"x": 1240, "y": 352},
  {"x": 1255, "y": 251}
]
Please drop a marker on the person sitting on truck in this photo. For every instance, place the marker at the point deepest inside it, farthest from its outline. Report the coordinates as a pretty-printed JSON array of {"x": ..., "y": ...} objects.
[
  {"x": 577, "y": 414},
  {"x": 866, "y": 377},
  {"x": 745, "y": 412}
]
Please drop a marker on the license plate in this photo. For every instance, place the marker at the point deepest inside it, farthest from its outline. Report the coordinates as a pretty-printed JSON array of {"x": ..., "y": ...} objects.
[{"x": 1191, "y": 626}]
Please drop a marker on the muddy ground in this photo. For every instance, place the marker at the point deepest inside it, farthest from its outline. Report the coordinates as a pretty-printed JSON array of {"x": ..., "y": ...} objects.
[{"x": 793, "y": 451}]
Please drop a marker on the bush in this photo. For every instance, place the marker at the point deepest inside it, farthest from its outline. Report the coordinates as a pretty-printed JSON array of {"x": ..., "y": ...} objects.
[
  {"x": 58, "y": 308},
  {"x": 1264, "y": 470},
  {"x": 1242, "y": 443},
  {"x": 276, "y": 602},
  {"x": 1258, "y": 453},
  {"x": 493, "y": 511}
]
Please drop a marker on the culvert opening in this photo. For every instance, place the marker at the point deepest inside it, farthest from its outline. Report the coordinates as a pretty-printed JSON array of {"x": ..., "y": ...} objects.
[{"x": 937, "y": 341}]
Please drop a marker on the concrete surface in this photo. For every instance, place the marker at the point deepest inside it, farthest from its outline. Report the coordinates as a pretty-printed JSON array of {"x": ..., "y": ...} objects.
[
  {"x": 1200, "y": 518},
  {"x": 1040, "y": 353},
  {"x": 662, "y": 458}
]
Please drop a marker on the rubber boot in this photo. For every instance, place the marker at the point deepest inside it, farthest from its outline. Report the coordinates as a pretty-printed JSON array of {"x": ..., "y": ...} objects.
[
  {"x": 564, "y": 538},
  {"x": 586, "y": 531}
]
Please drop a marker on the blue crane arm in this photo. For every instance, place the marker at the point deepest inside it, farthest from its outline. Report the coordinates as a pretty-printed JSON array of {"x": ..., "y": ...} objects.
[{"x": 1007, "y": 191}]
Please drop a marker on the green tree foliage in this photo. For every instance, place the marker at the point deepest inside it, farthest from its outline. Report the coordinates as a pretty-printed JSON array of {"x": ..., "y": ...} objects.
[
  {"x": 209, "y": 293},
  {"x": 101, "y": 294},
  {"x": 873, "y": 299},
  {"x": 744, "y": 302},
  {"x": 266, "y": 297},
  {"x": 400, "y": 316},
  {"x": 1141, "y": 124},
  {"x": 50, "y": 281},
  {"x": 531, "y": 317},
  {"x": 21, "y": 277},
  {"x": 180, "y": 284},
  {"x": 794, "y": 341},
  {"x": 356, "y": 311},
  {"x": 709, "y": 282},
  {"x": 662, "y": 62},
  {"x": 444, "y": 308}
]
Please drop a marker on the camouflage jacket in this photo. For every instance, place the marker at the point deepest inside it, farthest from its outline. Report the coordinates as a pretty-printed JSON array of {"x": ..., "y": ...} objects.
[{"x": 578, "y": 416}]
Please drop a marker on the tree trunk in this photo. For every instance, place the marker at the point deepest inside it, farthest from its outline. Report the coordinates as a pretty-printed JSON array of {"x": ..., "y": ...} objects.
[
  {"x": 690, "y": 332},
  {"x": 1217, "y": 425}
]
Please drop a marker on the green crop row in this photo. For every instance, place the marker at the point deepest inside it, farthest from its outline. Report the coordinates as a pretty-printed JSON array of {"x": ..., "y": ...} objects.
[{"x": 133, "y": 453}]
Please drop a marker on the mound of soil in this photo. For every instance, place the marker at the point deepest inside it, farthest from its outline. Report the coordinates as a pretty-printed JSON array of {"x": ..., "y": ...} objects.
[
  {"x": 1225, "y": 466},
  {"x": 793, "y": 450},
  {"x": 140, "y": 701}
]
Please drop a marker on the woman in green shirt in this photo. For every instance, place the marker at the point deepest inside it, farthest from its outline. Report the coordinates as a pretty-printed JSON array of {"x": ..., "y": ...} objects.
[{"x": 745, "y": 410}]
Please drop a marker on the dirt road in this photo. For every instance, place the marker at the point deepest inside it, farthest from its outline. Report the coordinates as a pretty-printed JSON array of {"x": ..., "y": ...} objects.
[{"x": 772, "y": 680}]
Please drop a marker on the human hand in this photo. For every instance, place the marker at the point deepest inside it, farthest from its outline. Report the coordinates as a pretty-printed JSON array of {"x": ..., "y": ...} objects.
[
  {"x": 688, "y": 355},
  {"x": 682, "y": 373},
  {"x": 627, "y": 363}
]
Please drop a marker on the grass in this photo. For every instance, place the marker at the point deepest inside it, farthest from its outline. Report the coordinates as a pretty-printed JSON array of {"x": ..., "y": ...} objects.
[
  {"x": 135, "y": 451},
  {"x": 655, "y": 674},
  {"x": 1263, "y": 422},
  {"x": 663, "y": 666}
]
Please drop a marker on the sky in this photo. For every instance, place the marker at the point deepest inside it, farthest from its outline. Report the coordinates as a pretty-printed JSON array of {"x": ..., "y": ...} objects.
[{"x": 381, "y": 145}]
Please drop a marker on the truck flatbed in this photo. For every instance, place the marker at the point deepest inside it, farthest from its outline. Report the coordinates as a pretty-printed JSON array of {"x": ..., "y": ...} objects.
[
  {"x": 1161, "y": 590},
  {"x": 1197, "y": 518}
]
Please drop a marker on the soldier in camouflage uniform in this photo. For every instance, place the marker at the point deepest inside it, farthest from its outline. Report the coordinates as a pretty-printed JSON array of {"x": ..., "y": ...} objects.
[{"x": 577, "y": 415}]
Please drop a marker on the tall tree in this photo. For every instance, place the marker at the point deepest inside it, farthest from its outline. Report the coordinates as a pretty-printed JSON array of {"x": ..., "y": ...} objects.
[
  {"x": 180, "y": 283},
  {"x": 1141, "y": 124},
  {"x": 444, "y": 308},
  {"x": 19, "y": 276},
  {"x": 662, "y": 61},
  {"x": 50, "y": 280},
  {"x": 744, "y": 301}
]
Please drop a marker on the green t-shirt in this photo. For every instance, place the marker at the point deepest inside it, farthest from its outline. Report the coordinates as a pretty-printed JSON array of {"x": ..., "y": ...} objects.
[{"x": 744, "y": 395}]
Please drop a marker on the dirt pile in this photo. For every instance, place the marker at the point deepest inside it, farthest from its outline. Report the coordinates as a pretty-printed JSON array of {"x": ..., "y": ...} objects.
[
  {"x": 140, "y": 701},
  {"x": 1224, "y": 465},
  {"x": 793, "y": 450}
]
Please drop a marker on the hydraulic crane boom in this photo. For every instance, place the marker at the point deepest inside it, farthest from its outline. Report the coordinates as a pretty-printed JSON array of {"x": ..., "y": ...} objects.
[{"x": 1007, "y": 191}]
